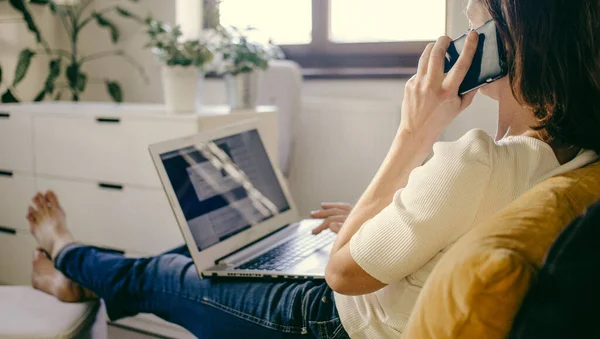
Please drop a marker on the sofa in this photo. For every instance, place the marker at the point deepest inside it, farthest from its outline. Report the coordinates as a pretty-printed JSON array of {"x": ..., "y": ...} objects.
[{"x": 479, "y": 285}]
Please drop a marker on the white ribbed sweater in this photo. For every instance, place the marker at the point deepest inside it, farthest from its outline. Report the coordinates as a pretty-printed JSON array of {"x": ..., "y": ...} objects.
[{"x": 465, "y": 182}]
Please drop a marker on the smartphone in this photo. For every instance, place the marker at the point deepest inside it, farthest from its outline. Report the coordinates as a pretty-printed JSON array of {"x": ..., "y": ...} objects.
[{"x": 489, "y": 63}]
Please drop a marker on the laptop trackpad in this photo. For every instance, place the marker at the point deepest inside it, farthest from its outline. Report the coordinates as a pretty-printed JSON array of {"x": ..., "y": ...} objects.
[{"x": 314, "y": 264}]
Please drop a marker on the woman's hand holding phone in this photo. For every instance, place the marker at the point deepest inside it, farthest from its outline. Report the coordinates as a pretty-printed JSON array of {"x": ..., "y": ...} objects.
[{"x": 431, "y": 99}]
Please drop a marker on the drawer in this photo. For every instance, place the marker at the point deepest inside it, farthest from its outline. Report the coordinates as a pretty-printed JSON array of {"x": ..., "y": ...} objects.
[
  {"x": 16, "y": 251},
  {"x": 131, "y": 219},
  {"x": 103, "y": 149},
  {"x": 16, "y": 191},
  {"x": 16, "y": 142}
]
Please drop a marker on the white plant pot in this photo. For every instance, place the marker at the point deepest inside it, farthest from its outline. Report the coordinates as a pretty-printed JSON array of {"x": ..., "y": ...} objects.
[
  {"x": 67, "y": 2},
  {"x": 182, "y": 88},
  {"x": 242, "y": 90}
]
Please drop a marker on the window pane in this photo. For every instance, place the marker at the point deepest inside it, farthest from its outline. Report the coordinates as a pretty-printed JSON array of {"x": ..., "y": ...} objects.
[
  {"x": 387, "y": 20},
  {"x": 285, "y": 21}
]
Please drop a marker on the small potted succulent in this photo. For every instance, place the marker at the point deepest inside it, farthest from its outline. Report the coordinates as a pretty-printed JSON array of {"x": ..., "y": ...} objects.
[
  {"x": 184, "y": 62},
  {"x": 242, "y": 62}
]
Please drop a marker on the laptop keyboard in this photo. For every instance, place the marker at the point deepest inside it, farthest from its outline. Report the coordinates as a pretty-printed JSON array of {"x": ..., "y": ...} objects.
[{"x": 290, "y": 252}]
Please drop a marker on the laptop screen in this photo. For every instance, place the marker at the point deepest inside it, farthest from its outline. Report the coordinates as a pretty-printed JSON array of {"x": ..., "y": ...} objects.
[{"x": 224, "y": 187}]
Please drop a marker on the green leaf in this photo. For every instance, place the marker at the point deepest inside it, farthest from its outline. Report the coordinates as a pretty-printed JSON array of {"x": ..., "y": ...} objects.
[
  {"x": 82, "y": 82},
  {"x": 54, "y": 72},
  {"x": 39, "y": 2},
  {"x": 124, "y": 12},
  {"x": 77, "y": 80},
  {"x": 72, "y": 73},
  {"x": 103, "y": 22},
  {"x": 8, "y": 97},
  {"x": 40, "y": 96},
  {"x": 53, "y": 7},
  {"x": 20, "y": 6},
  {"x": 114, "y": 89},
  {"x": 0, "y": 74},
  {"x": 127, "y": 14},
  {"x": 23, "y": 65}
]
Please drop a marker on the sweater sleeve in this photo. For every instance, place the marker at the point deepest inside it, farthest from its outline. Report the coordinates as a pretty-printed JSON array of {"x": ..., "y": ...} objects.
[{"x": 437, "y": 206}]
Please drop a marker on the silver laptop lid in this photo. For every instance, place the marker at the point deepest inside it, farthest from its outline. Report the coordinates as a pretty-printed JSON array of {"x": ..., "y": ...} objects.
[{"x": 224, "y": 191}]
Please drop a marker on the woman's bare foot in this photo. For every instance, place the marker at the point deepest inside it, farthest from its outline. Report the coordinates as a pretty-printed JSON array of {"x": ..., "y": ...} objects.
[
  {"x": 48, "y": 223},
  {"x": 48, "y": 279}
]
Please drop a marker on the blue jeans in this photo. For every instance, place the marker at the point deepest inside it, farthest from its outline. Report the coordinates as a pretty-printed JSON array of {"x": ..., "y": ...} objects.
[{"x": 169, "y": 287}]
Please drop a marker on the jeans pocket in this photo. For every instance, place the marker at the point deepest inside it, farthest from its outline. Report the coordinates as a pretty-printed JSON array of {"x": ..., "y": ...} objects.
[{"x": 330, "y": 329}]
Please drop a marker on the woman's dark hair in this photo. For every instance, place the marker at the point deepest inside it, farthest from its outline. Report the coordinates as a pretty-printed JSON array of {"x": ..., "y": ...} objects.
[{"x": 553, "y": 52}]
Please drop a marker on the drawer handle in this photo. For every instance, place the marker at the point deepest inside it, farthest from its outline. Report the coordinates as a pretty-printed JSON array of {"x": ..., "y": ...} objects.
[
  {"x": 6, "y": 173},
  {"x": 4, "y": 115},
  {"x": 111, "y": 250},
  {"x": 110, "y": 186},
  {"x": 8, "y": 230},
  {"x": 108, "y": 120}
]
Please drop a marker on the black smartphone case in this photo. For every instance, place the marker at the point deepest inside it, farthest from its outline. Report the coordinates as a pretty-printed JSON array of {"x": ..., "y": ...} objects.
[{"x": 489, "y": 63}]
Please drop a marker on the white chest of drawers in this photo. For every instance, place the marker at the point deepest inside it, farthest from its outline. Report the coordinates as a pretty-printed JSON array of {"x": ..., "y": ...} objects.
[{"x": 95, "y": 157}]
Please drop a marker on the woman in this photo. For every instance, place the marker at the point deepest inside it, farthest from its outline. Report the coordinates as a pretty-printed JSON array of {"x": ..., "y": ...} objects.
[{"x": 391, "y": 239}]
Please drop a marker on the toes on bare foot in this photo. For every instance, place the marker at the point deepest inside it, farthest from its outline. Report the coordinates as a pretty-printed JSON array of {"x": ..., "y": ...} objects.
[
  {"x": 40, "y": 202},
  {"x": 37, "y": 198},
  {"x": 52, "y": 198},
  {"x": 31, "y": 215},
  {"x": 48, "y": 224}
]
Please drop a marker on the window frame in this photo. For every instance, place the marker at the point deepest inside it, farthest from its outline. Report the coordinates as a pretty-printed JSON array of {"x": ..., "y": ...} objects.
[{"x": 322, "y": 58}]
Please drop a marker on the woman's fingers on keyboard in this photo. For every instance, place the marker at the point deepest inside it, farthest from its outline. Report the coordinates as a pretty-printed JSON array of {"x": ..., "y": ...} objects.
[
  {"x": 322, "y": 214},
  {"x": 327, "y": 223},
  {"x": 339, "y": 205}
]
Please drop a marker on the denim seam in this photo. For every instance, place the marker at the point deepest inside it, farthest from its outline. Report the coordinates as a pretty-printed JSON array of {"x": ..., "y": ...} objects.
[
  {"x": 340, "y": 332},
  {"x": 291, "y": 306},
  {"x": 306, "y": 297},
  {"x": 324, "y": 322},
  {"x": 251, "y": 318},
  {"x": 322, "y": 326}
]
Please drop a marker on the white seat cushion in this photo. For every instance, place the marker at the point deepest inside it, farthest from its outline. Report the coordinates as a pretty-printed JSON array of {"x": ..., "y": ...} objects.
[{"x": 28, "y": 313}]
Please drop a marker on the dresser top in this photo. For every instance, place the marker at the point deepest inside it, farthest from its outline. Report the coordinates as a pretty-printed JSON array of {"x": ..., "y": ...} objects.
[{"x": 120, "y": 110}]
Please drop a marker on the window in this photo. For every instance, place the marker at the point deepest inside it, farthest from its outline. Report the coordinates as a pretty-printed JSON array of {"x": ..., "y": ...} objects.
[
  {"x": 287, "y": 22},
  {"x": 386, "y": 20},
  {"x": 344, "y": 37}
]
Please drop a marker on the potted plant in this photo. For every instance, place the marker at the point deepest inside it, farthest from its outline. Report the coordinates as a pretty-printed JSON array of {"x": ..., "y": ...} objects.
[
  {"x": 66, "y": 71},
  {"x": 242, "y": 62},
  {"x": 184, "y": 64}
]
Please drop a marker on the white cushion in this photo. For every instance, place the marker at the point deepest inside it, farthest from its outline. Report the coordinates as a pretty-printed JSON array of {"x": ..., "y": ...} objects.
[
  {"x": 28, "y": 313},
  {"x": 282, "y": 86}
]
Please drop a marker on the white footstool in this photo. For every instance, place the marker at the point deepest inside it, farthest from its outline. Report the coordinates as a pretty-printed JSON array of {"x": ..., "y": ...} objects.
[{"x": 26, "y": 313}]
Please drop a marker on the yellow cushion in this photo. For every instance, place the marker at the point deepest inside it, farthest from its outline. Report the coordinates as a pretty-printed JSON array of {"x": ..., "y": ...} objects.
[{"x": 475, "y": 290}]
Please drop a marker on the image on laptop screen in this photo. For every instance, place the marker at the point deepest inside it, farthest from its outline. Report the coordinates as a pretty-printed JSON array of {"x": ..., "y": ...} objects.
[{"x": 225, "y": 186}]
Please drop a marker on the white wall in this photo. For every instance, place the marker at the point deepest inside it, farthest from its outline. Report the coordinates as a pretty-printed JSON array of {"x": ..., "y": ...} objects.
[
  {"x": 345, "y": 127},
  {"x": 132, "y": 41},
  {"x": 14, "y": 37}
]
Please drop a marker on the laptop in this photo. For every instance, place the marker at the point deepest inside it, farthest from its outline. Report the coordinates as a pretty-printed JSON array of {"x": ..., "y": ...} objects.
[{"x": 234, "y": 210}]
